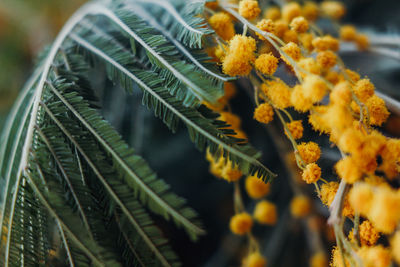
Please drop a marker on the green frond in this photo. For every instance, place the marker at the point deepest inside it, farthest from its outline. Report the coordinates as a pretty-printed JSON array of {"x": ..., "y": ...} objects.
[
  {"x": 181, "y": 18},
  {"x": 203, "y": 132}
]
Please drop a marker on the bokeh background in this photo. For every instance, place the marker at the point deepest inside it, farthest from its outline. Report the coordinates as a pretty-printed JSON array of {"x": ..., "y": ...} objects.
[{"x": 27, "y": 26}]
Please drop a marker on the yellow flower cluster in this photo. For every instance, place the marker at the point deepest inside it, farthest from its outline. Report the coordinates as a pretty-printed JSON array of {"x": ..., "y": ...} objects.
[
  {"x": 240, "y": 56},
  {"x": 223, "y": 25}
]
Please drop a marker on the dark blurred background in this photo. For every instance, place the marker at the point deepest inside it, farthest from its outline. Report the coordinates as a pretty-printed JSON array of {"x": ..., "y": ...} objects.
[{"x": 26, "y": 26}]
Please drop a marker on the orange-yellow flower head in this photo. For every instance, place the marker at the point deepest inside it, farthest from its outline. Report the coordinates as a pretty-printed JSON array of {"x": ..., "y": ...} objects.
[
  {"x": 299, "y": 24},
  {"x": 377, "y": 256},
  {"x": 264, "y": 113},
  {"x": 292, "y": 50},
  {"x": 364, "y": 89},
  {"x": 310, "y": 10},
  {"x": 295, "y": 128},
  {"x": 249, "y": 9},
  {"x": 377, "y": 110},
  {"x": 395, "y": 245},
  {"x": 348, "y": 170},
  {"x": 231, "y": 172},
  {"x": 300, "y": 206},
  {"x": 241, "y": 223},
  {"x": 368, "y": 234},
  {"x": 348, "y": 33},
  {"x": 314, "y": 88},
  {"x": 223, "y": 25},
  {"x": 385, "y": 209},
  {"x": 266, "y": 64},
  {"x": 240, "y": 56},
  {"x": 326, "y": 42},
  {"x": 273, "y": 13},
  {"x": 278, "y": 92},
  {"x": 299, "y": 101},
  {"x": 309, "y": 152},
  {"x": 312, "y": 173},
  {"x": 254, "y": 260},
  {"x": 256, "y": 188},
  {"x": 265, "y": 212},
  {"x": 319, "y": 259},
  {"x": 326, "y": 59},
  {"x": 362, "y": 41},
  {"x": 290, "y": 11},
  {"x": 266, "y": 25},
  {"x": 341, "y": 94},
  {"x": 333, "y": 9}
]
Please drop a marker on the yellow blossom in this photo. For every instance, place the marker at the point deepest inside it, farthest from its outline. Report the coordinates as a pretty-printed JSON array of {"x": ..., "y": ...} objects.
[
  {"x": 341, "y": 94},
  {"x": 377, "y": 256},
  {"x": 295, "y": 128},
  {"x": 309, "y": 152},
  {"x": 264, "y": 113},
  {"x": 223, "y": 25},
  {"x": 310, "y": 10},
  {"x": 254, "y": 260},
  {"x": 292, "y": 50},
  {"x": 278, "y": 92},
  {"x": 326, "y": 42},
  {"x": 312, "y": 173},
  {"x": 240, "y": 56},
  {"x": 290, "y": 11},
  {"x": 298, "y": 100},
  {"x": 249, "y": 9},
  {"x": 299, "y": 24},
  {"x": 256, "y": 188},
  {"x": 241, "y": 223},
  {"x": 314, "y": 88},
  {"x": 267, "y": 64},
  {"x": 266, "y": 25},
  {"x": 326, "y": 59},
  {"x": 319, "y": 260},
  {"x": 309, "y": 64},
  {"x": 273, "y": 13},
  {"x": 377, "y": 110},
  {"x": 364, "y": 89},
  {"x": 362, "y": 41},
  {"x": 348, "y": 33},
  {"x": 265, "y": 212},
  {"x": 348, "y": 170},
  {"x": 333, "y": 9},
  {"x": 395, "y": 246},
  {"x": 300, "y": 206}
]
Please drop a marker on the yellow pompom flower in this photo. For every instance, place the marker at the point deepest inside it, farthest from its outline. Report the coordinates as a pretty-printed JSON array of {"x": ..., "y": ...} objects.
[
  {"x": 395, "y": 246},
  {"x": 332, "y": 77},
  {"x": 309, "y": 64},
  {"x": 264, "y": 113},
  {"x": 328, "y": 192},
  {"x": 341, "y": 94},
  {"x": 348, "y": 33},
  {"x": 309, "y": 152},
  {"x": 272, "y": 13},
  {"x": 292, "y": 50},
  {"x": 278, "y": 92},
  {"x": 348, "y": 170},
  {"x": 317, "y": 120},
  {"x": 299, "y": 24},
  {"x": 361, "y": 198},
  {"x": 231, "y": 172},
  {"x": 256, "y": 188},
  {"x": 300, "y": 206},
  {"x": 377, "y": 110},
  {"x": 337, "y": 260},
  {"x": 223, "y": 25},
  {"x": 290, "y": 11},
  {"x": 368, "y": 234},
  {"x": 266, "y": 64},
  {"x": 310, "y": 10},
  {"x": 364, "y": 89},
  {"x": 249, "y": 9},
  {"x": 314, "y": 88},
  {"x": 281, "y": 27},
  {"x": 362, "y": 41},
  {"x": 326, "y": 42},
  {"x": 265, "y": 212},
  {"x": 319, "y": 260},
  {"x": 306, "y": 41},
  {"x": 377, "y": 256},
  {"x": 333, "y": 9},
  {"x": 290, "y": 36},
  {"x": 351, "y": 140},
  {"x": 390, "y": 158},
  {"x": 240, "y": 56},
  {"x": 299, "y": 101},
  {"x": 326, "y": 59},
  {"x": 295, "y": 128},
  {"x": 266, "y": 25},
  {"x": 385, "y": 209},
  {"x": 241, "y": 223},
  {"x": 254, "y": 260},
  {"x": 312, "y": 173}
]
